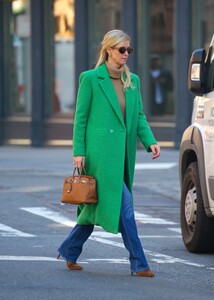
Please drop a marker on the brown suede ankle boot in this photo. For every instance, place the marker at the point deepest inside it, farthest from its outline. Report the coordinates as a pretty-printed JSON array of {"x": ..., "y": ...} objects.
[
  {"x": 73, "y": 266},
  {"x": 144, "y": 273}
]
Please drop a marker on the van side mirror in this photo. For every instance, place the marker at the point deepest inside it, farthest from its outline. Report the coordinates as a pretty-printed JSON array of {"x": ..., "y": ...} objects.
[{"x": 196, "y": 73}]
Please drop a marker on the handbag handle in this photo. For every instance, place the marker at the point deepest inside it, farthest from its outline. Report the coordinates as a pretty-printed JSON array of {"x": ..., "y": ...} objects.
[{"x": 79, "y": 171}]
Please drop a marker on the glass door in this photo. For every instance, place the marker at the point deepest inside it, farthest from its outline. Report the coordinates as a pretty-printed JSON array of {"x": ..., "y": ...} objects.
[{"x": 17, "y": 69}]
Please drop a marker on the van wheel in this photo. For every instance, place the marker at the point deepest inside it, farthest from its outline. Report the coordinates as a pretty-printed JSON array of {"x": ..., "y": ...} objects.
[{"x": 197, "y": 229}]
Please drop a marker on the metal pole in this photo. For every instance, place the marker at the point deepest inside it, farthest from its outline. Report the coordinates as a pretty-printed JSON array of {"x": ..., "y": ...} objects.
[
  {"x": 37, "y": 55},
  {"x": 81, "y": 39}
]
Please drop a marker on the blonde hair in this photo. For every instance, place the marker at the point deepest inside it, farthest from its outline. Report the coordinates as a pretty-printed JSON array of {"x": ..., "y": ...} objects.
[{"x": 111, "y": 39}]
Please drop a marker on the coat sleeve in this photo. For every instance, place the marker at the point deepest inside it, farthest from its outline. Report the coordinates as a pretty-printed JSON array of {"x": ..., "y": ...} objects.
[
  {"x": 143, "y": 131},
  {"x": 83, "y": 104}
]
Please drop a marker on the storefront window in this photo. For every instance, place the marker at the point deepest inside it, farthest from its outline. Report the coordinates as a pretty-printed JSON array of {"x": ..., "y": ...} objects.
[
  {"x": 64, "y": 88},
  {"x": 17, "y": 57},
  {"x": 161, "y": 57}
]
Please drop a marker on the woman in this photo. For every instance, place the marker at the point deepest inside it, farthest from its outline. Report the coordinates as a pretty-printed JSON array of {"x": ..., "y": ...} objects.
[{"x": 108, "y": 119}]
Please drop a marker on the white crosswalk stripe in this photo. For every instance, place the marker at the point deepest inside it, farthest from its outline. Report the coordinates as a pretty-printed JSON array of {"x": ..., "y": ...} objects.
[
  {"x": 49, "y": 214},
  {"x": 26, "y": 258},
  {"x": 11, "y": 232},
  {"x": 178, "y": 230},
  {"x": 154, "y": 166},
  {"x": 147, "y": 219}
]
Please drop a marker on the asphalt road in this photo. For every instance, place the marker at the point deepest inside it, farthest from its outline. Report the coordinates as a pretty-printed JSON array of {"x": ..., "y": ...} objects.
[{"x": 33, "y": 224}]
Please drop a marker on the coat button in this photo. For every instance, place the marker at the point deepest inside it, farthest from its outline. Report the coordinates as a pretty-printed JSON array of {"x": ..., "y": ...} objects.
[{"x": 111, "y": 130}]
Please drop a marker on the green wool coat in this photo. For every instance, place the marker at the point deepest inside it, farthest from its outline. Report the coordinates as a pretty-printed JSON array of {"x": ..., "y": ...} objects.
[{"x": 108, "y": 143}]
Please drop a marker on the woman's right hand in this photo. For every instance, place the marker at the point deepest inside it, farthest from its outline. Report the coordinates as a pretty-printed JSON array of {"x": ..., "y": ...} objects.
[{"x": 79, "y": 161}]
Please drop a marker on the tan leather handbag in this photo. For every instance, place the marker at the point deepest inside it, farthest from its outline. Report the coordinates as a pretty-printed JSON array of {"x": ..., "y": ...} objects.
[{"x": 79, "y": 189}]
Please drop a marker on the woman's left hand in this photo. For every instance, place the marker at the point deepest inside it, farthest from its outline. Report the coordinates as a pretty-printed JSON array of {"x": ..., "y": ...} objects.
[
  {"x": 79, "y": 161},
  {"x": 155, "y": 150}
]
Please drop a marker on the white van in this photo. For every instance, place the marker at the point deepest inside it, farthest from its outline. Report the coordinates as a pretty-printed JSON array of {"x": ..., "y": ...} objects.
[{"x": 196, "y": 165}]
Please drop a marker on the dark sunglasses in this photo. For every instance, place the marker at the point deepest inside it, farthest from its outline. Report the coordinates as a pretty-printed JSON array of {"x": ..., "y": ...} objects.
[{"x": 122, "y": 50}]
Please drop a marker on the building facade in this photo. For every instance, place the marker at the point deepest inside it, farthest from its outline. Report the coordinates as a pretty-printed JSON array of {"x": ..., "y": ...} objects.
[{"x": 45, "y": 45}]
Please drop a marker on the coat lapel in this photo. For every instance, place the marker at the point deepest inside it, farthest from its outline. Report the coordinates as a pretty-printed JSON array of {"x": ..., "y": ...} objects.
[
  {"x": 108, "y": 89},
  {"x": 130, "y": 102}
]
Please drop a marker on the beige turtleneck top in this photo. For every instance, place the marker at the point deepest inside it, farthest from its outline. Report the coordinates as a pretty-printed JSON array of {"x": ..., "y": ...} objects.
[{"x": 115, "y": 75}]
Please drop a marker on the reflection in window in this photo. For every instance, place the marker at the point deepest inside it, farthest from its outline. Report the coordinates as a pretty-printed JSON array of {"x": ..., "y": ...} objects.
[
  {"x": 64, "y": 56},
  {"x": 104, "y": 16},
  {"x": 161, "y": 12}
]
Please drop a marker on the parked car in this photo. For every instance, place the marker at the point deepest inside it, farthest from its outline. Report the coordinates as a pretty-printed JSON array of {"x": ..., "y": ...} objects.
[{"x": 196, "y": 162}]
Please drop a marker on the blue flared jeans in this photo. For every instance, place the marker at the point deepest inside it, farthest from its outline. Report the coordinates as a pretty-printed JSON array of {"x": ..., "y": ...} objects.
[{"x": 71, "y": 248}]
